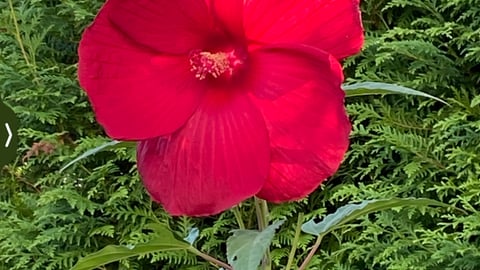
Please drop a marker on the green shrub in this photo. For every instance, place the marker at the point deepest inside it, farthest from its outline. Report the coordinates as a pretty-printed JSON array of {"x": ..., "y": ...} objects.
[{"x": 401, "y": 146}]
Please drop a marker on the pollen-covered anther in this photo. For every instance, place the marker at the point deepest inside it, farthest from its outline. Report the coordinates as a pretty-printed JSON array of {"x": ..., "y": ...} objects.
[{"x": 216, "y": 64}]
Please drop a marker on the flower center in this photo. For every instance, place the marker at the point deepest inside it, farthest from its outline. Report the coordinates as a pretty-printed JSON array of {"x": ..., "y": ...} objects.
[{"x": 216, "y": 64}]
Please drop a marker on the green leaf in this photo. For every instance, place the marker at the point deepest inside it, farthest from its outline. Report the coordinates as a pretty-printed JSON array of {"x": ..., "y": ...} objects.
[
  {"x": 164, "y": 242},
  {"x": 245, "y": 248},
  {"x": 376, "y": 88},
  {"x": 475, "y": 102},
  {"x": 351, "y": 212},
  {"x": 104, "y": 147}
]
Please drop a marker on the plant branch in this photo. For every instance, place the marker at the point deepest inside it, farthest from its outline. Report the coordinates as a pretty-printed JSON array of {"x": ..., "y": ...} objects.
[
  {"x": 18, "y": 37},
  {"x": 238, "y": 216},
  {"x": 261, "y": 208},
  {"x": 210, "y": 258},
  {"x": 261, "y": 219},
  {"x": 298, "y": 229},
  {"x": 311, "y": 253}
]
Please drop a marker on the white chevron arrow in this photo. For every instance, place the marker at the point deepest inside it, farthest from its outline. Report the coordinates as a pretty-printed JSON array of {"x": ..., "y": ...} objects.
[{"x": 10, "y": 135}]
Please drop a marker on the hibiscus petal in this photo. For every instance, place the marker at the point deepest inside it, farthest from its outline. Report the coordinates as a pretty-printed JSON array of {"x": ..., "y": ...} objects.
[
  {"x": 331, "y": 25},
  {"x": 162, "y": 25},
  {"x": 208, "y": 166},
  {"x": 230, "y": 14},
  {"x": 276, "y": 70},
  {"x": 308, "y": 125},
  {"x": 135, "y": 93}
]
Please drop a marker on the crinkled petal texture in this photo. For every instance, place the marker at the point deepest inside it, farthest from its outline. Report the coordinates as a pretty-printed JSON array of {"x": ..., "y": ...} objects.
[
  {"x": 218, "y": 159},
  {"x": 331, "y": 25},
  {"x": 307, "y": 123},
  {"x": 135, "y": 92}
]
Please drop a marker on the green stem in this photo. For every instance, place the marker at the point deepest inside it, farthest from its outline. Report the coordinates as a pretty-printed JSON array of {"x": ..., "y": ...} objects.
[
  {"x": 238, "y": 216},
  {"x": 265, "y": 213},
  {"x": 311, "y": 253},
  {"x": 298, "y": 229},
  {"x": 210, "y": 258},
  {"x": 261, "y": 219},
  {"x": 85, "y": 169},
  {"x": 261, "y": 208},
  {"x": 18, "y": 37}
]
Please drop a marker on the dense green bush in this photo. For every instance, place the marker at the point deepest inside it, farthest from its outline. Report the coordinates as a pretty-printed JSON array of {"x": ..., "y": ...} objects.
[{"x": 401, "y": 146}]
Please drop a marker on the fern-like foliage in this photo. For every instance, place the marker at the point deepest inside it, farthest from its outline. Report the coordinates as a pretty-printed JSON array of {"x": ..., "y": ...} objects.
[{"x": 400, "y": 146}]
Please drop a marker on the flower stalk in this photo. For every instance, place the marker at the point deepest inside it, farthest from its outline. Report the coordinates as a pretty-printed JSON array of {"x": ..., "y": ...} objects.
[
  {"x": 311, "y": 253},
  {"x": 261, "y": 209},
  {"x": 238, "y": 217},
  {"x": 210, "y": 259},
  {"x": 298, "y": 230}
]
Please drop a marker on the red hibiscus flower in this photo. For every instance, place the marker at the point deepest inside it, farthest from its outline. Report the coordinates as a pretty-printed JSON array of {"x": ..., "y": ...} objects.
[{"x": 227, "y": 98}]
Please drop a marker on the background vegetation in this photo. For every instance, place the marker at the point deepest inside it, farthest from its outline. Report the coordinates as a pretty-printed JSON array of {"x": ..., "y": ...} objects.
[{"x": 401, "y": 146}]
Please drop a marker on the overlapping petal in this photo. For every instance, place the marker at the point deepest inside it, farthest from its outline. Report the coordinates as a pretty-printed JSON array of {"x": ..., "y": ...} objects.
[
  {"x": 163, "y": 25},
  {"x": 331, "y": 25},
  {"x": 135, "y": 93},
  {"x": 229, "y": 14},
  {"x": 275, "y": 70},
  {"x": 307, "y": 123},
  {"x": 219, "y": 158}
]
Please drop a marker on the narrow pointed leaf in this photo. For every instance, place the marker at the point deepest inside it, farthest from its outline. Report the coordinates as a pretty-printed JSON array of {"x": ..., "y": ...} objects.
[
  {"x": 475, "y": 102},
  {"x": 245, "y": 248},
  {"x": 104, "y": 147},
  {"x": 351, "y": 212},
  {"x": 376, "y": 88},
  {"x": 163, "y": 242}
]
